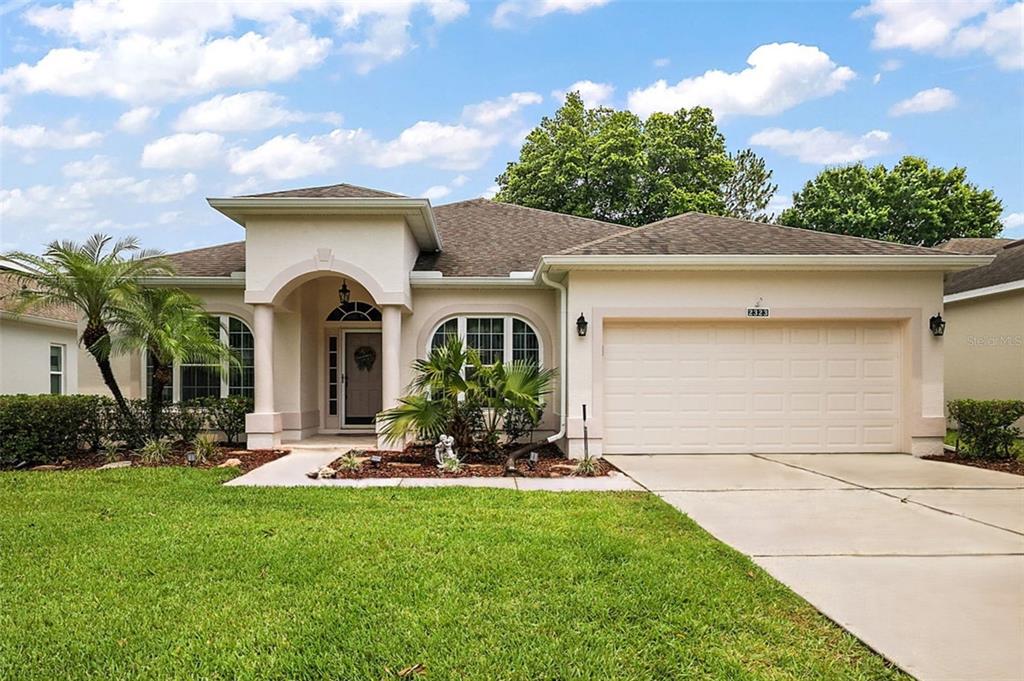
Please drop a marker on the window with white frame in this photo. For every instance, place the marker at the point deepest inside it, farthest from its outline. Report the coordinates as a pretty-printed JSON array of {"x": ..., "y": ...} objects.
[
  {"x": 192, "y": 380},
  {"x": 56, "y": 369},
  {"x": 494, "y": 337}
]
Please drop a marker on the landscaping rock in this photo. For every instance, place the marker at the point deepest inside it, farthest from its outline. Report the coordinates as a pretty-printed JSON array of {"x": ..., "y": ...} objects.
[
  {"x": 115, "y": 464},
  {"x": 322, "y": 473},
  {"x": 231, "y": 463},
  {"x": 47, "y": 467}
]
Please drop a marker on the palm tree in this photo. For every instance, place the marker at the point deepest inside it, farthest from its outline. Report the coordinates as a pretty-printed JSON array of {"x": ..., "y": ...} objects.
[
  {"x": 96, "y": 278},
  {"x": 171, "y": 326}
]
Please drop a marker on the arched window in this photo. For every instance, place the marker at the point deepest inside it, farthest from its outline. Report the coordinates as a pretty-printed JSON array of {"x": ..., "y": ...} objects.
[
  {"x": 494, "y": 337},
  {"x": 354, "y": 312},
  {"x": 194, "y": 380}
]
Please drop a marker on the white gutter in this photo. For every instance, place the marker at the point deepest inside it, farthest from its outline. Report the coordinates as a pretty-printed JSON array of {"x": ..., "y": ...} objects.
[
  {"x": 945, "y": 263},
  {"x": 36, "y": 319},
  {"x": 433, "y": 279},
  {"x": 985, "y": 291},
  {"x": 195, "y": 282},
  {"x": 564, "y": 361}
]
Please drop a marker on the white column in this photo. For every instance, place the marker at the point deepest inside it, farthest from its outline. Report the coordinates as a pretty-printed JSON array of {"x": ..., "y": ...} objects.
[
  {"x": 263, "y": 426},
  {"x": 391, "y": 349}
]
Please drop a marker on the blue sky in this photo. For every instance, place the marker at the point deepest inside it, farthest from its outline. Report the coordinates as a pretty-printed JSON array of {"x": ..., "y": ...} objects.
[{"x": 123, "y": 117}]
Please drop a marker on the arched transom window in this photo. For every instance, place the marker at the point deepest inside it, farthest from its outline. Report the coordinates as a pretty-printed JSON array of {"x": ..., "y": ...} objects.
[
  {"x": 192, "y": 380},
  {"x": 494, "y": 337},
  {"x": 354, "y": 311}
]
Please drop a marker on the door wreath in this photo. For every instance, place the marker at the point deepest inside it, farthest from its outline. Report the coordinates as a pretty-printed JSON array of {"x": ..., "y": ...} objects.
[{"x": 365, "y": 357}]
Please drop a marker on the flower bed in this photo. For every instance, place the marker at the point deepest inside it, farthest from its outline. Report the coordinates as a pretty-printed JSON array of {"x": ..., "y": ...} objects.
[
  {"x": 417, "y": 461},
  {"x": 248, "y": 459}
]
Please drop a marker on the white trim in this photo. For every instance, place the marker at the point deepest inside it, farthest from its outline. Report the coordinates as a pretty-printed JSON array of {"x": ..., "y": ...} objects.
[
  {"x": 35, "y": 319},
  {"x": 224, "y": 324},
  {"x": 985, "y": 291},
  {"x": 417, "y": 212},
  {"x": 62, "y": 372},
  {"x": 944, "y": 263},
  {"x": 434, "y": 279},
  {"x": 507, "y": 317}
]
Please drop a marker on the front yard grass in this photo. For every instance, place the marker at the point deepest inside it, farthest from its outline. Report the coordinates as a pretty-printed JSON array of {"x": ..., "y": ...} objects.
[{"x": 163, "y": 573}]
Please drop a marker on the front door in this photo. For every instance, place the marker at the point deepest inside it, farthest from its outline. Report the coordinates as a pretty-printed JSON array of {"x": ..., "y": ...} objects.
[{"x": 361, "y": 378}]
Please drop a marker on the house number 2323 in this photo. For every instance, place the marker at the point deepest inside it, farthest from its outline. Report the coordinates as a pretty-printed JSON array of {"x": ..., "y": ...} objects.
[{"x": 758, "y": 312}]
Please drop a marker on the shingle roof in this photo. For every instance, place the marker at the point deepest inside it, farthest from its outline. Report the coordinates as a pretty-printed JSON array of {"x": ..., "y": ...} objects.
[
  {"x": 974, "y": 245},
  {"x": 487, "y": 238},
  {"x": 1008, "y": 266},
  {"x": 700, "y": 234},
  {"x": 331, "y": 191},
  {"x": 10, "y": 284},
  {"x": 212, "y": 261}
]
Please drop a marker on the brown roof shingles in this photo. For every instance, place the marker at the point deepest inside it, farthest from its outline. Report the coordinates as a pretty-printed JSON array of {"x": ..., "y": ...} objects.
[
  {"x": 1007, "y": 267},
  {"x": 211, "y": 261},
  {"x": 974, "y": 245},
  {"x": 700, "y": 234},
  {"x": 10, "y": 285},
  {"x": 331, "y": 191}
]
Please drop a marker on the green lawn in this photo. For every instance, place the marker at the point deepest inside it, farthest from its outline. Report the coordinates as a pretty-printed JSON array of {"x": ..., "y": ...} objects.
[{"x": 163, "y": 573}]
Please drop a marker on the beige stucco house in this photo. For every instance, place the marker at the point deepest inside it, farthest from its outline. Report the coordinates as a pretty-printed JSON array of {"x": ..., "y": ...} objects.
[
  {"x": 37, "y": 350},
  {"x": 985, "y": 313},
  {"x": 702, "y": 334}
]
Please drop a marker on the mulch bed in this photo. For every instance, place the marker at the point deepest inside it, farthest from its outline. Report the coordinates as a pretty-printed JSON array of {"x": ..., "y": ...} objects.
[
  {"x": 417, "y": 461},
  {"x": 250, "y": 459},
  {"x": 1014, "y": 466}
]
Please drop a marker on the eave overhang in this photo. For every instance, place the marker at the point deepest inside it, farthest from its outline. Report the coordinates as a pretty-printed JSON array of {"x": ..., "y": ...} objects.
[
  {"x": 983, "y": 291},
  {"x": 416, "y": 212}
]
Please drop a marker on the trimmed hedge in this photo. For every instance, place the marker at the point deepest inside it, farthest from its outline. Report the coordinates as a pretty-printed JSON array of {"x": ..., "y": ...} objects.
[
  {"x": 987, "y": 426},
  {"x": 45, "y": 428}
]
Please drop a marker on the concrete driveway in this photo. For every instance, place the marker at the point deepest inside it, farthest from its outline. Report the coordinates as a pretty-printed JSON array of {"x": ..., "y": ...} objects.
[{"x": 922, "y": 560}]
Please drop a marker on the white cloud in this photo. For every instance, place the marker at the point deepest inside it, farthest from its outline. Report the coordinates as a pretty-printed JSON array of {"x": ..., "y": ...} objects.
[
  {"x": 97, "y": 166},
  {"x": 508, "y": 11},
  {"x": 891, "y": 65},
  {"x": 436, "y": 192},
  {"x": 459, "y": 181},
  {"x": 254, "y": 110},
  {"x": 40, "y": 137},
  {"x": 876, "y": 79},
  {"x": 382, "y": 28},
  {"x": 593, "y": 94},
  {"x": 950, "y": 27},
  {"x": 284, "y": 158},
  {"x": 495, "y": 111},
  {"x": 451, "y": 147},
  {"x": 925, "y": 101},
  {"x": 168, "y": 217},
  {"x": 490, "y": 192},
  {"x": 1013, "y": 222},
  {"x": 780, "y": 76},
  {"x": 822, "y": 146},
  {"x": 661, "y": 62},
  {"x": 137, "y": 120},
  {"x": 5, "y": 105},
  {"x": 183, "y": 150}
]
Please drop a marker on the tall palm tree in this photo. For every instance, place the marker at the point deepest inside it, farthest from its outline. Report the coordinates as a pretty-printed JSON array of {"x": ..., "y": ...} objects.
[
  {"x": 171, "y": 326},
  {"x": 96, "y": 277}
]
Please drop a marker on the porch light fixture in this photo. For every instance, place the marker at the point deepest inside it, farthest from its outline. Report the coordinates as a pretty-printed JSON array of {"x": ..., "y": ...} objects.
[
  {"x": 581, "y": 326},
  {"x": 344, "y": 292},
  {"x": 190, "y": 456},
  {"x": 937, "y": 325}
]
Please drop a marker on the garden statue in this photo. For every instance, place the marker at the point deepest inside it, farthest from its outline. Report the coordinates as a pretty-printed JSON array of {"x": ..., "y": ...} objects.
[{"x": 443, "y": 450}]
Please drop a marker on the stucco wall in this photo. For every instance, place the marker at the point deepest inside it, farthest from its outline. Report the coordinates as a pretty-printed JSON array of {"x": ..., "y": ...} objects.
[
  {"x": 25, "y": 356},
  {"x": 984, "y": 345},
  {"x": 911, "y": 296}
]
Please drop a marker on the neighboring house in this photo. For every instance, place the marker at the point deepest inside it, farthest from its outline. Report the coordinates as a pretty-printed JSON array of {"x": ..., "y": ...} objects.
[
  {"x": 37, "y": 348},
  {"x": 692, "y": 334},
  {"x": 985, "y": 322}
]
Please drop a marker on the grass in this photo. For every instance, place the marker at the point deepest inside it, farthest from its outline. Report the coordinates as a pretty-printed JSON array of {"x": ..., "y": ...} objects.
[{"x": 163, "y": 573}]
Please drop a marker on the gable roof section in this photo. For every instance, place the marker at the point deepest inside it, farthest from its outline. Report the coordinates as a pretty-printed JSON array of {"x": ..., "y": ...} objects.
[
  {"x": 1007, "y": 267},
  {"x": 330, "y": 191},
  {"x": 211, "y": 261},
  {"x": 700, "y": 234},
  {"x": 10, "y": 284},
  {"x": 486, "y": 238},
  {"x": 974, "y": 245}
]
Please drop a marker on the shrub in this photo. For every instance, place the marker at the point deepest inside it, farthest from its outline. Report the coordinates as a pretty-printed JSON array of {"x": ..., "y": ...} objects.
[
  {"x": 155, "y": 451},
  {"x": 986, "y": 426},
  {"x": 349, "y": 463},
  {"x": 183, "y": 421},
  {"x": 586, "y": 467},
  {"x": 43, "y": 428},
  {"x": 228, "y": 415},
  {"x": 205, "y": 448}
]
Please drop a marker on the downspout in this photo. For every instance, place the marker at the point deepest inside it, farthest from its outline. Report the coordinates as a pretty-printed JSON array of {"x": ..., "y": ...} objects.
[{"x": 564, "y": 348}]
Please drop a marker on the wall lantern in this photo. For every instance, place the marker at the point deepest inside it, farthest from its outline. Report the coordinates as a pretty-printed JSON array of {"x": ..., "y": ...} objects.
[
  {"x": 581, "y": 326},
  {"x": 344, "y": 292},
  {"x": 937, "y": 324}
]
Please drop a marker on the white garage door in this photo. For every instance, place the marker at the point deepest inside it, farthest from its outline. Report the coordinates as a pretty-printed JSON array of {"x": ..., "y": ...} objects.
[{"x": 751, "y": 387}]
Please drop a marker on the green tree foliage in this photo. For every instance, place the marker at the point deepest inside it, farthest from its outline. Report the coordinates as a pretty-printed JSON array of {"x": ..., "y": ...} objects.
[
  {"x": 749, "y": 189},
  {"x": 913, "y": 203},
  {"x": 609, "y": 165}
]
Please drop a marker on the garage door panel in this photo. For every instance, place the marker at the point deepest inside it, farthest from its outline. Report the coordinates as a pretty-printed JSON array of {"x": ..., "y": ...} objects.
[{"x": 749, "y": 387}]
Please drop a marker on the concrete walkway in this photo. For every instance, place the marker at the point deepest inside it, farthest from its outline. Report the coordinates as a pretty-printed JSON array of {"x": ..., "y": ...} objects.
[
  {"x": 922, "y": 560},
  {"x": 290, "y": 471}
]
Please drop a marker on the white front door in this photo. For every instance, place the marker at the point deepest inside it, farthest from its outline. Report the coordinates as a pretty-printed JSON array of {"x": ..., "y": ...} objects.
[{"x": 696, "y": 387}]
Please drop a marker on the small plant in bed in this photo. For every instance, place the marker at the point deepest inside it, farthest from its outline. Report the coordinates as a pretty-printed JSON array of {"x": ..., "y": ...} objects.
[{"x": 348, "y": 463}]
